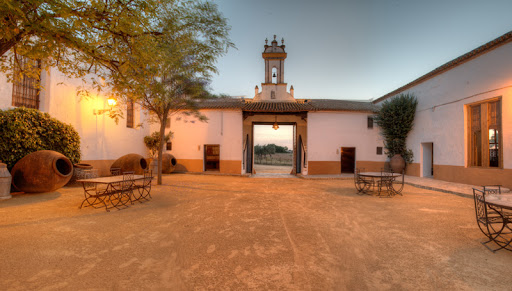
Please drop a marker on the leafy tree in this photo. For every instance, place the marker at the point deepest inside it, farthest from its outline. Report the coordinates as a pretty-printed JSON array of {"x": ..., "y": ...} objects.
[
  {"x": 171, "y": 71},
  {"x": 77, "y": 37},
  {"x": 396, "y": 119}
]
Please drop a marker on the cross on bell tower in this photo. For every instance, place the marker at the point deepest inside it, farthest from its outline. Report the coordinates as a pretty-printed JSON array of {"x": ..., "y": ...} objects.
[{"x": 274, "y": 56}]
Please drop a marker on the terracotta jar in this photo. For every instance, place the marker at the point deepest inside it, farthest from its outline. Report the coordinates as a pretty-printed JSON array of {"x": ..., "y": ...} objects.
[
  {"x": 41, "y": 171},
  {"x": 397, "y": 163},
  {"x": 5, "y": 182},
  {"x": 131, "y": 162},
  {"x": 168, "y": 163}
]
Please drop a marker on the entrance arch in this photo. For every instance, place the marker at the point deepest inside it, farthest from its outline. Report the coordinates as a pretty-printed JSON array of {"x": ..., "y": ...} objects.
[{"x": 299, "y": 122}]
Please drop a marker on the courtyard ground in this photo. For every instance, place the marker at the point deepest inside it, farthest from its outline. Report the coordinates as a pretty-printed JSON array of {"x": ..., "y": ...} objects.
[{"x": 223, "y": 232}]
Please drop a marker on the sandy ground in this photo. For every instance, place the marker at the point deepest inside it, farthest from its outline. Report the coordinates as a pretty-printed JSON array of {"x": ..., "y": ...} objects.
[{"x": 222, "y": 232}]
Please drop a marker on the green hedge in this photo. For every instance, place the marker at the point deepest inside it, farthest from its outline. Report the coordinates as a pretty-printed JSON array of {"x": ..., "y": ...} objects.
[{"x": 23, "y": 131}]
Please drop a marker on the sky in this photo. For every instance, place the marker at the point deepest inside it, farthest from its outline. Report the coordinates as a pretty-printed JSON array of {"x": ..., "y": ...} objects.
[
  {"x": 353, "y": 50},
  {"x": 265, "y": 134}
]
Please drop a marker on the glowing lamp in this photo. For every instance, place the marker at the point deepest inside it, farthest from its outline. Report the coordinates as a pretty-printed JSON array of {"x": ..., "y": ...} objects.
[{"x": 275, "y": 126}]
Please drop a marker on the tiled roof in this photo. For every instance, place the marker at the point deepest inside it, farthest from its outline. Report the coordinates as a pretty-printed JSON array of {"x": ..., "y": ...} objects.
[
  {"x": 507, "y": 37},
  {"x": 300, "y": 106},
  {"x": 277, "y": 107},
  {"x": 342, "y": 105}
]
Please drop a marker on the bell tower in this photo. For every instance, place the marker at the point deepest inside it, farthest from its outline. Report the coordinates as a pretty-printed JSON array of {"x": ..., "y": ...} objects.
[
  {"x": 274, "y": 87},
  {"x": 274, "y": 57}
]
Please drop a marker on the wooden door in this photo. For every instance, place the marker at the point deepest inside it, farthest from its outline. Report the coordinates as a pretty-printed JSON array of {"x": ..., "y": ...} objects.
[
  {"x": 211, "y": 157},
  {"x": 348, "y": 160}
]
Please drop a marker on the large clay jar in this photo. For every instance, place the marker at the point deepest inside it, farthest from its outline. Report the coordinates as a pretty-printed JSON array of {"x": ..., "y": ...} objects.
[
  {"x": 397, "y": 163},
  {"x": 41, "y": 171},
  {"x": 131, "y": 162},
  {"x": 5, "y": 182},
  {"x": 168, "y": 163}
]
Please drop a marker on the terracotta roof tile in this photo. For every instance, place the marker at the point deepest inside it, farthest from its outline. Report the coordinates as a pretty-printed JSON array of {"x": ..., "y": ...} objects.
[{"x": 300, "y": 106}]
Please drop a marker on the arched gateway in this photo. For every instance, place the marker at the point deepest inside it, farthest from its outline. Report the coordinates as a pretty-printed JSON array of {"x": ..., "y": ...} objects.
[{"x": 322, "y": 128}]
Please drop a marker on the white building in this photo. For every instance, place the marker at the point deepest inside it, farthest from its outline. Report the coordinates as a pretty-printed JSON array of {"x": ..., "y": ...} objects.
[
  {"x": 327, "y": 133},
  {"x": 102, "y": 141},
  {"x": 462, "y": 105},
  {"x": 463, "y": 123}
]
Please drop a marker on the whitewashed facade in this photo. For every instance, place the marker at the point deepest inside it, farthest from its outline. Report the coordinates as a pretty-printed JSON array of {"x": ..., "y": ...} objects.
[{"x": 443, "y": 138}]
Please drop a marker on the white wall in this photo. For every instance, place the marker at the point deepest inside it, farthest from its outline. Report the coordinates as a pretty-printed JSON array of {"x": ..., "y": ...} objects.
[
  {"x": 224, "y": 127},
  {"x": 329, "y": 131},
  {"x": 440, "y": 116},
  {"x": 101, "y": 138}
]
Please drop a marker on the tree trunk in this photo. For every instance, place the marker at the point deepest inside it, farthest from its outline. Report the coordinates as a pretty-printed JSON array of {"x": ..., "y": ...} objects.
[{"x": 163, "y": 122}]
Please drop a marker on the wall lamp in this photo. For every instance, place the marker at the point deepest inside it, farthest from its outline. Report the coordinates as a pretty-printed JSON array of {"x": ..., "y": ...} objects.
[{"x": 111, "y": 103}]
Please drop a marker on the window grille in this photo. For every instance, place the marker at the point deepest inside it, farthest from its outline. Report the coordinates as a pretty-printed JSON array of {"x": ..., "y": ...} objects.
[
  {"x": 129, "y": 114},
  {"x": 25, "y": 90}
]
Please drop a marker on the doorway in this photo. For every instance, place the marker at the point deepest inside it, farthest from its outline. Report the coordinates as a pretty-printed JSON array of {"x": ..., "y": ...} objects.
[
  {"x": 427, "y": 160},
  {"x": 273, "y": 148},
  {"x": 211, "y": 157},
  {"x": 348, "y": 160}
]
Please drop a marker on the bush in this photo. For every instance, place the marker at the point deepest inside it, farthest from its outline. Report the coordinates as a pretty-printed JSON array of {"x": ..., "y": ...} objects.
[
  {"x": 396, "y": 119},
  {"x": 24, "y": 131},
  {"x": 152, "y": 142}
]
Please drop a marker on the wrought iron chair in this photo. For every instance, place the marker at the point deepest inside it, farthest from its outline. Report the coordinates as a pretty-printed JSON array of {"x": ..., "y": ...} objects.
[
  {"x": 115, "y": 171},
  {"x": 492, "y": 189},
  {"x": 127, "y": 188},
  {"x": 362, "y": 184},
  {"x": 144, "y": 186},
  {"x": 94, "y": 196},
  {"x": 493, "y": 223}
]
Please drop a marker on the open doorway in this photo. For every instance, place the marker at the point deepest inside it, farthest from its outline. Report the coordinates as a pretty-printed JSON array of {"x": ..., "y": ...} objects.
[
  {"x": 427, "y": 159},
  {"x": 273, "y": 149},
  {"x": 348, "y": 160},
  {"x": 211, "y": 157}
]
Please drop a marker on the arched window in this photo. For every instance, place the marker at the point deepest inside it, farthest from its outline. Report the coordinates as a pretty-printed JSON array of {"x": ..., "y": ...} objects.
[{"x": 274, "y": 75}]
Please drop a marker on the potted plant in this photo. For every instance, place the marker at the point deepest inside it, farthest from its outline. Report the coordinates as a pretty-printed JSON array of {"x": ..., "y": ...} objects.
[{"x": 396, "y": 119}]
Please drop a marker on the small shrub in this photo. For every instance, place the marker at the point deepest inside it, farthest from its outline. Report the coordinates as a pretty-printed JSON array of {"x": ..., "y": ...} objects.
[
  {"x": 152, "y": 142},
  {"x": 24, "y": 131}
]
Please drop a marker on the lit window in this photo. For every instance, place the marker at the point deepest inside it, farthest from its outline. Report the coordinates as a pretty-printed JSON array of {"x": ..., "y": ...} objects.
[
  {"x": 25, "y": 90},
  {"x": 485, "y": 138}
]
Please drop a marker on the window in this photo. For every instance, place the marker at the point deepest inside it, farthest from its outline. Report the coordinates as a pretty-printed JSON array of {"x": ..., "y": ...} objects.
[
  {"x": 370, "y": 122},
  {"x": 129, "y": 114},
  {"x": 485, "y": 138},
  {"x": 168, "y": 123},
  {"x": 379, "y": 150},
  {"x": 169, "y": 146},
  {"x": 25, "y": 90},
  {"x": 272, "y": 95}
]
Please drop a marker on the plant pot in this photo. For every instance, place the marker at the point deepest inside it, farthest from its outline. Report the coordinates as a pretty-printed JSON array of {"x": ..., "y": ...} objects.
[
  {"x": 41, "y": 171},
  {"x": 397, "y": 163}
]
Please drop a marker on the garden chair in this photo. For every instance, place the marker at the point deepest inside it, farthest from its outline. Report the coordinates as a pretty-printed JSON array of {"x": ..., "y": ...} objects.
[
  {"x": 144, "y": 186},
  {"x": 492, "y": 222}
]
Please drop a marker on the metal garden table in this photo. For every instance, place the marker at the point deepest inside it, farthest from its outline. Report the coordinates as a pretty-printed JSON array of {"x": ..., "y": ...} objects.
[
  {"x": 378, "y": 182},
  {"x": 115, "y": 191}
]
